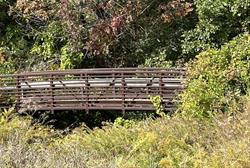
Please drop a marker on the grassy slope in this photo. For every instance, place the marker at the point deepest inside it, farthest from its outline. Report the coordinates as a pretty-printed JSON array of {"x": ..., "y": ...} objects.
[{"x": 175, "y": 142}]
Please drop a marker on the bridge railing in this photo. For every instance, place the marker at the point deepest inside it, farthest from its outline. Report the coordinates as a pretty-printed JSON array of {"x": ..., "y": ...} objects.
[{"x": 91, "y": 89}]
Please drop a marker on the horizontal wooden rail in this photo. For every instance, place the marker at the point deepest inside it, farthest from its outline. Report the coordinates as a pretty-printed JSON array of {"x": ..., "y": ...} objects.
[{"x": 92, "y": 89}]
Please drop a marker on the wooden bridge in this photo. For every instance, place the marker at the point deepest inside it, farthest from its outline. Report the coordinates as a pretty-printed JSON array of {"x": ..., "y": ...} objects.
[{"x": 91, "y": 89}]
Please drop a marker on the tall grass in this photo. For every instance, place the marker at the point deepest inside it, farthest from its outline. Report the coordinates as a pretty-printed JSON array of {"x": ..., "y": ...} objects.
[{"x": 166, "y": 142}]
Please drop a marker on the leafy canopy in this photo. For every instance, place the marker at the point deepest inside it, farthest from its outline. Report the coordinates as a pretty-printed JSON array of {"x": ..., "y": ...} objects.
[{"x": 219, "y": 22}]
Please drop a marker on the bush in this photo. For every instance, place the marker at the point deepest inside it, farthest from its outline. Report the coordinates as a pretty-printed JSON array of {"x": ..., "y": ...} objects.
[
  {"x": 164, "y": 143},
  {"x": 218, "y": 79}
]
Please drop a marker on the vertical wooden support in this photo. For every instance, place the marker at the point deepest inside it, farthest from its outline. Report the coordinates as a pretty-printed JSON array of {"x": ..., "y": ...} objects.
[
  {"x": 161, "y": 85},
  {"x": 82, "y": 89},
  {"x": 52, "y": 93},
  {"x": 18, "y": 93},
  {"x": 123, "y": 93},
  {"x": 87, "y": 93},
  {"x": 113, "y": 81},
  {"x": 148, "y": 83},
  {"x": 161, "y": 88}
]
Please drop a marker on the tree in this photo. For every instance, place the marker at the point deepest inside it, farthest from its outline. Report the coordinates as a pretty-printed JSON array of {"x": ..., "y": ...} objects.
[
  {"x": 219, "y": 22},
  {"x": 42, "y": 34},
  {"x": 77, "y": 34}
]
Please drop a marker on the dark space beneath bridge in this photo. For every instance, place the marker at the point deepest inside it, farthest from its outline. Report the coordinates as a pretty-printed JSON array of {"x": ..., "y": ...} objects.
[{"x": 91, "y": 89}]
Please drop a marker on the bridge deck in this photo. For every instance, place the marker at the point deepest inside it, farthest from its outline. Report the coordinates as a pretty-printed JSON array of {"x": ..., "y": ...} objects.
[{"x": 91, "y": 89}]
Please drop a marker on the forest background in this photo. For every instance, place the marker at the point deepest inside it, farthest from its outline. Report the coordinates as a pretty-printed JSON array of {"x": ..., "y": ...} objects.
[{"x": 63, "y": 34}]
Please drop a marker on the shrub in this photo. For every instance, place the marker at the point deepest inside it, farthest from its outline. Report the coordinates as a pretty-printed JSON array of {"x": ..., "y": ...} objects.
[
  {"x": 158, "y": 105},
  {"x": 123, "y": 122},
  {"x": 165, "y": 143},
  {"x": 218, "y": 79}
]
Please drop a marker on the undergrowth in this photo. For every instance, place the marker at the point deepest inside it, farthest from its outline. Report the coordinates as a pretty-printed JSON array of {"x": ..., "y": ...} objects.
[{"x": 165, "y": 142}]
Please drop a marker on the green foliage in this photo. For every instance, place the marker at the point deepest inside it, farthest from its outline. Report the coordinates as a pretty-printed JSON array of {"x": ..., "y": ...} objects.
[
  {"x": 219, "y": 22},
  {"x": 6, "y": 115},
  {"x": 42, "y": 34},
  {"x": 75, "y": 34},
  {"x": 47, "y": 44},
  {"x": 218, "y": 79},
  {"x": 158, "y": 60},
  {"x": 123, "y": 122},
  {"x": 14, "y": 128},
  {"x": 165, "y": 142},
  {"x": 157, "y": 103},
  {"x": 51, "y": 48},
  {"x": 70, "y": 59},
  {"x": 13, "y": 49}
]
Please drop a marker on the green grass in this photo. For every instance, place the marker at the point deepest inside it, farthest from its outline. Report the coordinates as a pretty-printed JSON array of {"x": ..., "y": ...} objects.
[{"x": 178, "y": 141}]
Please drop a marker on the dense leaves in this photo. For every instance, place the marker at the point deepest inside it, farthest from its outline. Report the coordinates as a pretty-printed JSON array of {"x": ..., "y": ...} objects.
[
  {"x": 43, "y": 34},
  {"x": 219, "y": 22},
  {"x": 218, "y": 79}
]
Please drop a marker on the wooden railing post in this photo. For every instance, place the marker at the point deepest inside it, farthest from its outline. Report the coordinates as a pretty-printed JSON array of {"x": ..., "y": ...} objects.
[
  {"x": 51, "y": 78},
  {"x": 82, "y": 89},
  {"x": 123, "y": 93},
  {"x": 161, "y": 85},
  {"x": 113, "y": 81},
  {"x": 148, "y": 83},
  {"x": 18, "y": 93},
  {"x": 87, "y": 93}
]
